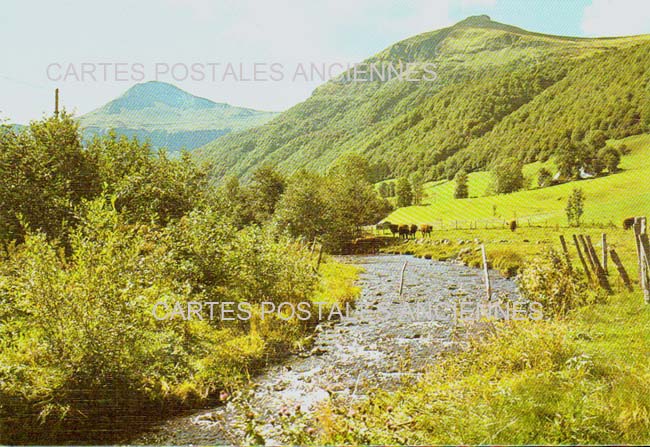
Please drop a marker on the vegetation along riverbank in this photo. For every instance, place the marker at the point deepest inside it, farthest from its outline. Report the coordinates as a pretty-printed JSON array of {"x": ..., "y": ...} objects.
[
  {"x": 92, "y": 238},
  {"x": 579, "y": 376}
]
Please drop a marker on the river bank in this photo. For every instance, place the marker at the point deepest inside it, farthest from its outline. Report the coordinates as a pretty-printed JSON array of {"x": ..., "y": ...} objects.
[{"x": 381, "y": 344}]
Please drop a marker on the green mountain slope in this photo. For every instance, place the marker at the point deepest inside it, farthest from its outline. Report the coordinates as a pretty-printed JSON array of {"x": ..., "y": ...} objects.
[
  {"x": 496, "y": 89},
  {"x": 608, "y": 199},
  {"x": 169, "y": 117}
]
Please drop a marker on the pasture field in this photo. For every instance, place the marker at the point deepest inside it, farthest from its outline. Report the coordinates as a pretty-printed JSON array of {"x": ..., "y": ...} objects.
[
  {"x": 608, "y": 199},
  {"x": 509, "y": 251}
]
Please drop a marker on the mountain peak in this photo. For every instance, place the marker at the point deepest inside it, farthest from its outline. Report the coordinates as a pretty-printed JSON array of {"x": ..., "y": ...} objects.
[
  {"x": 485, "y": 22},
  {"x": 480, "y": 20},
  {"x": 153, "y": 93},
  {"x": 154, "y": 87}
]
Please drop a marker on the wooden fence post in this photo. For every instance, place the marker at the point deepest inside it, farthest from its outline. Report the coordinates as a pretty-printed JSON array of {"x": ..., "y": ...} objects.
[
  {"x": 401, "y": 279},
  {"x": 582, "y": 259},
  {"x": 585, "y": 249},
  {"x": 621, "y": 269},
  {"x": 600, "y": 273},
  {"x": 604, "y": 243},
  {"x": 565, "y": 249},
  {"x": 488, "y": 286},
  {"x": 637, "y": 231},
  {"x": 643, "y": 251}
]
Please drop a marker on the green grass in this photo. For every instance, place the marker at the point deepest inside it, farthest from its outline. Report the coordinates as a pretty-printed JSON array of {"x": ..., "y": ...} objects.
[
  {"x": 337, "y": 284},
  {"x": 548, "y": 382},
  {"x": 579, "y": 379},
  {"x": 609, "y": 199}
]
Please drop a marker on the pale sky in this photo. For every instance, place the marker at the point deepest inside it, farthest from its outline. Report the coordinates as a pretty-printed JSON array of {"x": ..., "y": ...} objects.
[{"x": 37, "y": 34}]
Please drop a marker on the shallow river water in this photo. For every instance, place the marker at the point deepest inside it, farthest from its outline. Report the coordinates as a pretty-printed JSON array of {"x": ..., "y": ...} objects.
[{"x": 384, "y": 338}]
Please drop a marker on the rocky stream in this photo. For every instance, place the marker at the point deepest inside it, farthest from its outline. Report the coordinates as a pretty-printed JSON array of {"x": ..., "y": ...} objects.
[{"x": 385, "y": 339}]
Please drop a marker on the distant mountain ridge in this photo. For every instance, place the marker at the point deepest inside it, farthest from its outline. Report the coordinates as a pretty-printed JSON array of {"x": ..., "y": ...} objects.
[
  {"x": 169, "y": 117},
  {"x": 500, "y": 91}
]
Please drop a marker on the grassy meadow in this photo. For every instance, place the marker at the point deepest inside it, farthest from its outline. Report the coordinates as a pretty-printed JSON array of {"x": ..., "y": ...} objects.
[{"x": 608, "y": 199}]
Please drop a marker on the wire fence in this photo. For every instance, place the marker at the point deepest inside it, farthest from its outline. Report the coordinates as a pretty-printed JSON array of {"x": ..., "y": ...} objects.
[{"x": 487, "y": 224}]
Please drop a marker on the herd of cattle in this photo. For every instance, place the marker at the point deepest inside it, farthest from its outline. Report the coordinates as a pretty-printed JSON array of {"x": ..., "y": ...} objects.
[{"x": 405, "y": 231}]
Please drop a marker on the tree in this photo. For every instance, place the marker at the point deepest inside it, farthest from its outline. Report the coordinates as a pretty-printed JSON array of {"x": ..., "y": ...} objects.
[
  {"x": 147, "y": 186},
  {"x": 266, "y": 187},
  {"x": 575, "y": 207},
  {"x": 462, "y": 190},
  {"x": 569, "y": 161},
  {"x": 595, "y": 165},
  {"x": 508, "y": 176},
  {"x": 45, "y": 174},
  {"x": 351, "y": 164},
  {"x": 544, "y": 177},
  {"x": 597, "y": 139},
  {"x": 404, "y": 192},
  {"x": 167, "y": 189},
  {"x": 302, "y": 210},
  {"x": 384, "y": 190},
  {"x": 417, "y": 183},
  {"x": 233, "y": 201},
  {"x": 379, "y": 171},
  {"x": 391, "y": 188},
  {"x": 352, "y": 201},
  {"x": 610, "y": 158}
]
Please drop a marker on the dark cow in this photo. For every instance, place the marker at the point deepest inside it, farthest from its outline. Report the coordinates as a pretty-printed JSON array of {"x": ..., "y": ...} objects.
[
  {"x": 412, "y": 230},
  {"x": 404, "y": 231},
  {"x": 628, "y": 223},
  {"x": 426, "y": 230},
  {"x": 394, "y": 229}
]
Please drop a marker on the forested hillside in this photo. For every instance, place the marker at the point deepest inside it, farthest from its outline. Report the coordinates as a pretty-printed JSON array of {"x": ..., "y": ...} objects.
[{"x": 499, "y": 91}]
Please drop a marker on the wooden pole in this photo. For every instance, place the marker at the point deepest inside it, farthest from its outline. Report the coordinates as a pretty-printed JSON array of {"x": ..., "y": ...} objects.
[
  {"x": 646, "y": 265},
  {"x": 56, "y": 103},
  {"x": 637, "y": 231},
  {"x": 585, "y": 249},
  {"x": 643, "y": 252},
  {"x": 565, "y": 249},
  {"x": 604, "y": 244},
  {"x": 582, "y": 259},
  {"x": 600, "y": 273},
  {"x": 644, "y": 244},
  {"x": 621, "y": 269},
  {"x": 401, "y": 279},
  {"x": 488, "y": 286}
]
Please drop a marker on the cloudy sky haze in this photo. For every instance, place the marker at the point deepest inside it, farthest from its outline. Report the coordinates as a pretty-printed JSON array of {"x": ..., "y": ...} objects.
[{"x": 36, "y": 34}]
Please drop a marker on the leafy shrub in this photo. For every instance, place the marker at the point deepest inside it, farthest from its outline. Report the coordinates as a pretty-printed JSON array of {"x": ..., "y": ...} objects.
[
  {"x": 550, "y": 281},
  {"x": 575, "y": 207},
  {"x": 78, "y": 332}
]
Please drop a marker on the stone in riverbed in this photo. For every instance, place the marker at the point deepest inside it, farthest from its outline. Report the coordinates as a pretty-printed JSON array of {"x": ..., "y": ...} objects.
[{"x": 318, "y": 351}]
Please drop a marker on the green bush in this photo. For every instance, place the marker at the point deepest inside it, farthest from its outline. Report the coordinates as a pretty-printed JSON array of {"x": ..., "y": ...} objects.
[
  {"x": 551, "y": 281},
  {"x": 77, "y": 331}
]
